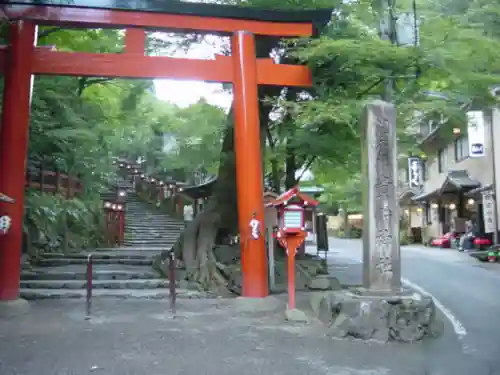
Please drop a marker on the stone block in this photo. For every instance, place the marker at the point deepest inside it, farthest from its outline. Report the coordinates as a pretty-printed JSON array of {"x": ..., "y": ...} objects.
[
  {"x": 383, "y": 318},
  {"x": 319, "y": 283},
  {"x": 324, "y": 282},
  {"x": 296, "y": 315}
]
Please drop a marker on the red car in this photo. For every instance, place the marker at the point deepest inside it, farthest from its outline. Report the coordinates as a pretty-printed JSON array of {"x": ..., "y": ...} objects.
[
  {"x": 481, "y": 243},
  {"x": 445, "y": 241}
]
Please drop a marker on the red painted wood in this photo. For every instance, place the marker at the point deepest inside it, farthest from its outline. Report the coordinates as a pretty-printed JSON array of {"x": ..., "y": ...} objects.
[
  {"x": 102, "y": 18},
  {"x": 14, "y": 146},
  {"x": 135, "y": 41},
  {"x": 249, "y": 165},
  {"x": 135, "y": 65}
]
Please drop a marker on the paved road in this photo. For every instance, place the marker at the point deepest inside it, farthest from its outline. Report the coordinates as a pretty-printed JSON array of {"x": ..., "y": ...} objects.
[
  {"x": 207, "y": 337},
  {"x": 469, "y": 290}
]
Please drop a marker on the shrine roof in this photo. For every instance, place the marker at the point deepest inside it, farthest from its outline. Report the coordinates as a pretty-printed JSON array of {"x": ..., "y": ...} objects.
[
  {"x": 289, "y": 194},
  {"x": 318, "y": 17},
  {"x": 203, "y": 190}
]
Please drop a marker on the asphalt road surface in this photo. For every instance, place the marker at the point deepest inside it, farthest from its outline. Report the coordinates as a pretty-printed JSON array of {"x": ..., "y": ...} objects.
[{"x": 466, "y": 291}]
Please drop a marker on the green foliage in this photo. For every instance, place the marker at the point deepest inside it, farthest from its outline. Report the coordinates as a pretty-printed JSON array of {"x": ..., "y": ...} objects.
[
  {"x": 198, "y": 130},
  {"x": 53, "y": 223},
  {"x": 351, "y": 65}
]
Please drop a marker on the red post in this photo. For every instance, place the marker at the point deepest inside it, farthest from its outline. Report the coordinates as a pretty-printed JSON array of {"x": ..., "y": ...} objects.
[
  {"x": 292, "y": 243},
  {"x": 291, "y": 276},
  {"x": 13, "y": 149},
  {"x": 180, "y": 204},
  {"x": 248, "y": 164},
  {"x": 122, "y": 227},
  {"x": 109, "y": 229},
  {"x": 116, "y": 228}
]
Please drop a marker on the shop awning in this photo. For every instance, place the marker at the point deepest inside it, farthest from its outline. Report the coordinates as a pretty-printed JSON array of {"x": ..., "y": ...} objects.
[
  {"x": 409, "y": 193},
  {"x": 426, "y": 196},
  {"x": 458, "y": 181},
  {"x": 479, "y": 190}
]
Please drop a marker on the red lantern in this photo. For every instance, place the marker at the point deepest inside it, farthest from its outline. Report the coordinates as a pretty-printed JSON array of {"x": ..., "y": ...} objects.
[{"x": 291, "y": 230}]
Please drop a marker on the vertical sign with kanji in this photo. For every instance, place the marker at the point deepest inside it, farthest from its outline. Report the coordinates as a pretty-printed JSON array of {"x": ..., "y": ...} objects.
[
  {"x": 489, "y": 212},
  {"x": 414, "y": 172}
]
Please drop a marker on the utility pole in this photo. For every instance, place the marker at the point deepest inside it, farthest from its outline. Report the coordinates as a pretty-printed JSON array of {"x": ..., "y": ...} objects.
[{"x": 387, "y": 32}]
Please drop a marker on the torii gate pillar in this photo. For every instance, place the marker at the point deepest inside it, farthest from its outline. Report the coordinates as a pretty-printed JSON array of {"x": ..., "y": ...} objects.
[
  {"x": 248, "y": 155},
  {"x": 13, "y": 148}
]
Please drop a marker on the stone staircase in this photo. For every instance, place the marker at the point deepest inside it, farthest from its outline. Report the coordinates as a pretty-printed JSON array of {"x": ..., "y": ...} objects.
[
  {"x": 146, "y": 227},
  {"x": 123, "y": 272}
]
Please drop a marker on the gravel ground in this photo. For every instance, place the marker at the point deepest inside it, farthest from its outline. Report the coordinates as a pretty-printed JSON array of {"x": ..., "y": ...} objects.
[{"x": 216, "y": 337}]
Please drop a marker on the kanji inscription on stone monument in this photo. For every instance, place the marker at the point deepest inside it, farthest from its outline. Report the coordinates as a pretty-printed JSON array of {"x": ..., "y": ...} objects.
[{"x": 381, "y": 253}]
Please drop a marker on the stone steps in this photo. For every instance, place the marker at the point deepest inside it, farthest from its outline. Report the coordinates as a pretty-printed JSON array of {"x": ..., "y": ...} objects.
[
  {"x": 125, "y": 251},
  {"x": 145, "y": 225},
  {"x": 142, "y": 222},
  {"x": 148, "y": 235},
  {"x": 123, "y": 272},
  {"x": 62, "y": 262},
  {"x": 98, "y": 254},
  {"x": 66, "y": 273},
  {"x": 154, "y": 231},
  {"x": 151, "y": 240},
  {"x": 36, "y": 294},
  {"x": 167, "y": 244},
  {"x": 139, "y": 284}
]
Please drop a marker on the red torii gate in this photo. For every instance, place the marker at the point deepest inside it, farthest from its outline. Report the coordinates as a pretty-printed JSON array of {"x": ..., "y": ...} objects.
[{"x": 22, "y": 59}]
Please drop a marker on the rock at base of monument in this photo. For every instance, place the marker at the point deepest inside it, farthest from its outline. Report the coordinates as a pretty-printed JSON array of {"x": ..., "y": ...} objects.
[
  {"x": 14, "y": 308},
  {"x": 324, "y": 282},
  {"x": 402, "y": 318},
  {"x": 296, "y": 315}
]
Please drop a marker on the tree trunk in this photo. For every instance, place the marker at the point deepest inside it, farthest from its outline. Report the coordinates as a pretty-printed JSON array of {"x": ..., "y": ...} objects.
[
  {"x": 220, "y": 214},
  {"x": 196, "y": 245}
]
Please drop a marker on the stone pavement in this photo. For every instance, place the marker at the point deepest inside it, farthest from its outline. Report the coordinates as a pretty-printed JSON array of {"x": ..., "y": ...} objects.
[{"x": 218, "y": 336}]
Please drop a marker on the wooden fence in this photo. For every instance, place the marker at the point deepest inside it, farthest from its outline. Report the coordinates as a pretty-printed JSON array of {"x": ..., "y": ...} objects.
[{"x": 52, "y": 182}]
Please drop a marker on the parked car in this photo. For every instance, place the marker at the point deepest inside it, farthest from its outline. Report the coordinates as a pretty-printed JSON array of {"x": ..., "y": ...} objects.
[
  {"x": 474, "y": 241},
  {"x": 447, "y": 241}
]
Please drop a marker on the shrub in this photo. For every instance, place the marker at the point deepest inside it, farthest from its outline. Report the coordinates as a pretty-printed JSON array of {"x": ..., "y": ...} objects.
[{"x": 53, "y": 223}]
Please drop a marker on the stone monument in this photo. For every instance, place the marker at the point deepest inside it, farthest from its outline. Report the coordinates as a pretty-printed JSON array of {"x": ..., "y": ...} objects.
[
  {"x": 381, "y": 258},
  {"x": 380, "y": 310}
]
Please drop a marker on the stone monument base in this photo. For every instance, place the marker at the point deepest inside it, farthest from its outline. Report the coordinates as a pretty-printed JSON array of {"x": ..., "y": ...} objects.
[{"x": 402, "y": 317}]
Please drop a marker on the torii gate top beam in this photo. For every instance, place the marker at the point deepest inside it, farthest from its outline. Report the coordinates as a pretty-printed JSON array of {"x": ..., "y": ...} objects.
[{"x": 168, "y": 15}]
